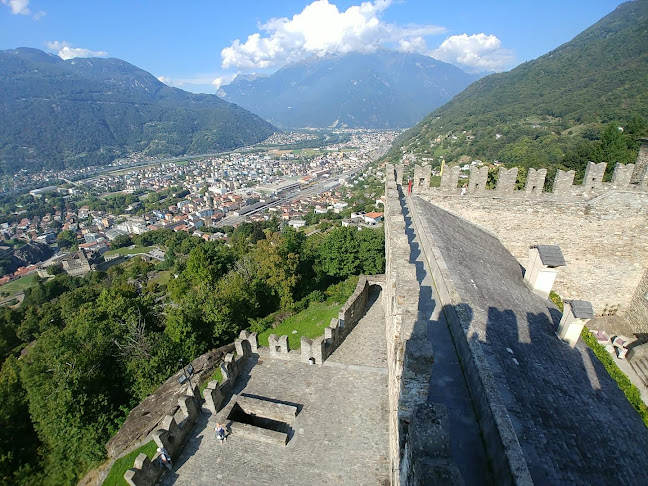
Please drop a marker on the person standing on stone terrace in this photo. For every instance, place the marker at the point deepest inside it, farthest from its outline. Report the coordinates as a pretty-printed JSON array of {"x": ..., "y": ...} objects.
[
  {"x": 165, "y": 458},
  {"x": 220, "y": 433}
]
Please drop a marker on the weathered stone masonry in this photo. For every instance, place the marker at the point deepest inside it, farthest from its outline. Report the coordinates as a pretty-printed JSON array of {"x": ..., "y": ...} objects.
[
  {"x": 600, "y": 226},
  {"x": 419, "y": 451}
]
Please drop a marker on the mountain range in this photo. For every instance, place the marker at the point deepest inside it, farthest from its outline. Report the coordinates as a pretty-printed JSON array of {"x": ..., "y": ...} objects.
[
  {"x": 82, "y": 112},
  {"x": 384, "y": 89},
  {"x": 552, "y": 111}
]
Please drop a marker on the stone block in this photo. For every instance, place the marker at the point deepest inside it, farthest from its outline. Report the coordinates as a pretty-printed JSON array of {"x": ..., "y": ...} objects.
[
  {"x": 144, "y": 471},
  {"x": 593, "y": 179},
  {"x": 622, "y": 175},
  {"x": 535, "y": 182},
  {"x": 450, "y": 179},
  {"x": 478, "y": 179},
  {"x": 564, "y": 182},
  {"x": 506, "y": 180},
  {"x": 278, "y": 345},
  {"x": 312, "y": 350}
]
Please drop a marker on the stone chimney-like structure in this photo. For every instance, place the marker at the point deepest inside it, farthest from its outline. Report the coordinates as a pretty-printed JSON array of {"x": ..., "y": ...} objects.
[
  {"x": 544, "y": 261},
  {"x": 575, "y": 316}
]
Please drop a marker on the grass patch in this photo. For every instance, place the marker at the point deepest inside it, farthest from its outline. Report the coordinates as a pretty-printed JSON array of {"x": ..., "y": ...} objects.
[
  {"x": 216, "y": 375},
  {"x": 21, "y": 283},
  {"x": 162, "y": 278},
  {"x": 130, "y": 251},
  {"x": 116, "y": 475},
  {"x": 631, "y": 392},
  {"x": 310, "y": 322}
]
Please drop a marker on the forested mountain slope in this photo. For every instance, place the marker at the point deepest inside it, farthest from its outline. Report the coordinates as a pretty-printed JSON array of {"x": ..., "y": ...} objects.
[
  {"x": 552, "y": 111},
  {"x": 82, "y": 112}
]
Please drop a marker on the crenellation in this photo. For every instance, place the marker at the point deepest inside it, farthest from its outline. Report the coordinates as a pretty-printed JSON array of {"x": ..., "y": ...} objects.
[
  {"x": 535, "y": 182},
  {"x": 622, "y": 175},
  {"x": 478, "y": 179},
  {"x": 422, "y": 176},
  {"x": 594, "y": 173},
  {"x": 450, "y": 179},
  {"x": 564, "y": 182},
  {"x": 279, "y": 347},
  {"x": 506, "y": 180}
]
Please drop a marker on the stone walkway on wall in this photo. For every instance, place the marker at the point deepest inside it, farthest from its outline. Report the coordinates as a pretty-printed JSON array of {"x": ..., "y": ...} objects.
[
  {"x": 366, "y": 346},
  {"x": 447, "y": 384},
  {"x": 573, "y": 422},
  {"x": 340, "y": 434}
]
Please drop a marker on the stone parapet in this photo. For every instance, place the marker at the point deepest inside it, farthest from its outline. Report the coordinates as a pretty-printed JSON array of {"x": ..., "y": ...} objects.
[
  {"x": 231, "y": 367},
  {"x": 410, "y": 358},
  {"x": 172, "y": 437},
  {"x": 628, "y": 177}
]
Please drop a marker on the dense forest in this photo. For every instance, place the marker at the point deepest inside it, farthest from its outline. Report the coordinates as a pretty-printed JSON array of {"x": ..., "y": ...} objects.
[
  {"x": 93, "y": 347},
  {"x": 558, "y": 111}
]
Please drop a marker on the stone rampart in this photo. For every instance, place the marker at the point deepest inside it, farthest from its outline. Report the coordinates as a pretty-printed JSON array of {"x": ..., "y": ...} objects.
[
  {"x": 629, "y": 177},
  {"x": 604, "y": 239},
  {"x": 317, "y": 350},
  {"x": 145, "y": 472},
  {"x": 215, "y": 392},
  {"x": 171, "y": 436},
  {"x": 637, "y": 312},
  {"x": 502, "y": 445},
  {"x": 409, "y": 361}
]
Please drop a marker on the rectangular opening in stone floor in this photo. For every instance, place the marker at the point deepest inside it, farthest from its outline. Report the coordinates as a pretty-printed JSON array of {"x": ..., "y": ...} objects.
[{"x": 237, "y": 414}]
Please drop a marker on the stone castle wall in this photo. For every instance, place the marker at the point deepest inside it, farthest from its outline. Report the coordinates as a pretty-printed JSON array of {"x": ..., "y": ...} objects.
[
  {"x": 637, "y": 312},
  {"x": 604, "y": 241},
  {"x": 418, "y": 454},
  {"x": 601, "y": 227}
]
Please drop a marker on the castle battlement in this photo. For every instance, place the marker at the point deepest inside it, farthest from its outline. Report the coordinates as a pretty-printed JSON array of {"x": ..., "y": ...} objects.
[{"x": 626, "y": 177}]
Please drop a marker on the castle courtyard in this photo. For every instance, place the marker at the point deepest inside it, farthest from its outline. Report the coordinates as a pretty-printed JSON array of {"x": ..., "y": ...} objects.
[{"x": 339, "y": 436}]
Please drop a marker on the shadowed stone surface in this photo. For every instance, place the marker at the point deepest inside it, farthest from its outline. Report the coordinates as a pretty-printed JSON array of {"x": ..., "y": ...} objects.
[
  {"x": 340, "y": 435},
  {"x": 447, "y": 384},
  {"x": 574, "y": 424},
  {"x": 367, "y": 344}
]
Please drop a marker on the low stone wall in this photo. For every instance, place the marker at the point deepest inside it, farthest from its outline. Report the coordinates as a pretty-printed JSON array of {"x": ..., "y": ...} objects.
[
  {"x": 502, "y": 445},
  {"x": 317, "y": 350},
  {"x": 148, "y": 415},
  {"x": 171, "y": 436},
  {"x": 215, "y": 392},
  {"x": 418, "y": 439}
]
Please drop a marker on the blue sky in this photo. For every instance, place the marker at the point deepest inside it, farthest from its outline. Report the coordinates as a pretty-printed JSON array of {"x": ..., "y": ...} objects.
[{"x": 199, "y": 44}]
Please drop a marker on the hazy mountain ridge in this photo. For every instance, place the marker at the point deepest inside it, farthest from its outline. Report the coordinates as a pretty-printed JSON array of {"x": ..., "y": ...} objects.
[
  {"x": 57, "y": 113},
  {"x": 385, "y": 89},
  {"x": 550, "y": 111}
]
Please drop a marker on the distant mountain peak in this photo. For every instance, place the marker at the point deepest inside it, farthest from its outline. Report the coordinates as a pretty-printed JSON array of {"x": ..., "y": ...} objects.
[{"x": 382, "y": 89}]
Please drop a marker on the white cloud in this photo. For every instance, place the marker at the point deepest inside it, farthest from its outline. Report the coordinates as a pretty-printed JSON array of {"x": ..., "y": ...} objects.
[
  {"x": 65, "y": 51},
  {"x": 18, "y": 7},
  {"x": 223, "y": 80},
  {"x": 478, "y": 51},
  {"x": 40, "y": 14},
  {"x": 198, "y": 83},
  {"x": 416, "y": 44},
  {"x": 321, "y": 29}
]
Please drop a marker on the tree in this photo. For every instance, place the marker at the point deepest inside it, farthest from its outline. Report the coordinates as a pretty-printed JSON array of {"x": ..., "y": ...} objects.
[
  {"x": 339, "y": 253},
  {"x": 66, "y": 238},
  {"x": 121, "y": 241}
]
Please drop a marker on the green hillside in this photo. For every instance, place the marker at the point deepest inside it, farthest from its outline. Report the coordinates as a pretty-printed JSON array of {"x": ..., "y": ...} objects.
[
  {"x": 82, "y": 112},
  {"x": 553, "y": 111}
]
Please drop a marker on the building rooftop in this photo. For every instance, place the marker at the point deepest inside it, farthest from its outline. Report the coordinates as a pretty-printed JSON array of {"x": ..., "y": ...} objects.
[{"x": 551, "y": 255}]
